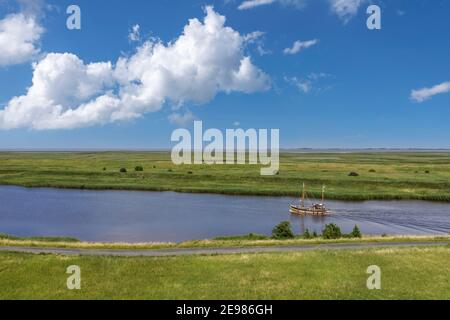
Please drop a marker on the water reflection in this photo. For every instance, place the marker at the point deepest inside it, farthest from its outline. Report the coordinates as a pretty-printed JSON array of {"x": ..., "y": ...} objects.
[{"x": 168, "y": 216}]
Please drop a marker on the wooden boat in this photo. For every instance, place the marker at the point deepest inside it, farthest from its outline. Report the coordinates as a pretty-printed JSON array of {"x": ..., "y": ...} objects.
[{"x": 316, "y": 209}]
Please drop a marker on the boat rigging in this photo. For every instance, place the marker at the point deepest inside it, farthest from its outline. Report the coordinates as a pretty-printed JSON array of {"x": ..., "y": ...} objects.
[{"x": 316, "y": 209}]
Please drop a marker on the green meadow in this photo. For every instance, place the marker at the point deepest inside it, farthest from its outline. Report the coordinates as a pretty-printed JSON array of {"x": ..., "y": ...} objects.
[
  {"x": 406, "y": 273},
  {"x": 389, "y": 175}
]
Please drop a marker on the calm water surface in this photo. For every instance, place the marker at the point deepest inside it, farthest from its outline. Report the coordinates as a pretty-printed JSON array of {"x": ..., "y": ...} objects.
[{"x": 167, "y": 216}]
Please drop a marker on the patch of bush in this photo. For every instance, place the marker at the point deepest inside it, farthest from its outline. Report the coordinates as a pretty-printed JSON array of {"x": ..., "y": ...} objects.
[
  {"x": 190, "y": 172},
  {"x": 356, "y": 233},
  {"x": 170, "y": 170},
  {"x": 139, "y": 168},
  {"x": 353, "y": 174},
  {"x": 427, "y": 171},
  {"x": 307, "y": 234},
  {"x": 372, "y": 171},
  {"x": 283, "y": 231},
  {"x": 331, "y": 231},
  {"x": 123, "y": 170},
  {"x": 104, "y": 169}
]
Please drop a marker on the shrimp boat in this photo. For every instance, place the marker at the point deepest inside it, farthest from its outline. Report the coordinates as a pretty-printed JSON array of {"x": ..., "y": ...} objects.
[{"x": 316, "y": 209}]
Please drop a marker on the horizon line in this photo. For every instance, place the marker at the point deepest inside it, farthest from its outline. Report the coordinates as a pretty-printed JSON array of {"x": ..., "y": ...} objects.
[{"x": 168, "y": 149}]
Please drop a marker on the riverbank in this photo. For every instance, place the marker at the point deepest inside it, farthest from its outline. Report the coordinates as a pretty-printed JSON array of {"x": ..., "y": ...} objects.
[
  {"x": 381, "y": 176},
  {"x": 231, "y": 242},
  {"x": 407, "y": 273}
]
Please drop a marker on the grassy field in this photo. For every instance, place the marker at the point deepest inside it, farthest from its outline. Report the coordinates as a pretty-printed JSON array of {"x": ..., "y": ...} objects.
[
  {"x": 423, "y": 176},
  {"x": 412, "y": 273}
]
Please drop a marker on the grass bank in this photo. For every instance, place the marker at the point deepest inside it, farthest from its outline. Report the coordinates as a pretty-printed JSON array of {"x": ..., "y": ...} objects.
[
  {"x": 7, "y": 237},
  {"x": 388, "y": 176},
  {"x": 236, "y": 242},
  {"x": 407, "y": 273}
]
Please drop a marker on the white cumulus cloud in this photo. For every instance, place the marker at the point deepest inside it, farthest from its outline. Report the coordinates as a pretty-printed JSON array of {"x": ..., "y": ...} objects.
[
  {"x": 424, "y": 94},
  {"x": 19, "y": 37},
  {"x": 346, "y": 9},
  {"x": 135, "y": 33},
  {"x": 250, "y": 4},
  {"x": 306, "y": 85},
  {"x": 61, "y": 84},
  {"x": 206, "y": 59},
  {"x": 182, "y": 119},
  {"x": 300, "y": 45},
  {"x": 303, "y": 85}
]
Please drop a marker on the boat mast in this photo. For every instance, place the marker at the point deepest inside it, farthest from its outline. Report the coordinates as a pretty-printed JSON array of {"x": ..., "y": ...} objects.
[{"x": 303, "y": 196}]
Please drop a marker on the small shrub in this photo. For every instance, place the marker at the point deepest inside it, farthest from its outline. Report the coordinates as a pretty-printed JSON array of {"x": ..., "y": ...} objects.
[
  {"x": 332, "y": 231},
  {"x": 307, "y": 234},
  {"x": 353, "y": 174},
  {"x": 123, "y": 170},
  {"x": 427, "y": 171},
  {"x": 372, "y": 171},
  {"x": 139, "y": 168},
  {"x": 283, "y": 231},
  {"x": 315, "y": 235},
  {"x": 356, "y": 233},
  {"x": 170, "y": 170},
  {"x": 104, "y": 169},
  {"x": 190, "y": 172}
]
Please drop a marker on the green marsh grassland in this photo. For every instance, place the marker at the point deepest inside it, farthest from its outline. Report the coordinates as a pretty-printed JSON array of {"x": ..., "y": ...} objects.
[
  {"x": 407, "y": 273},
  {"x": 402, "y": 175}
]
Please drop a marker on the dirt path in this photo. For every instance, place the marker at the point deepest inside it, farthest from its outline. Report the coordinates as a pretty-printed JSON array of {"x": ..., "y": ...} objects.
[{"x": 214, "y": 251}]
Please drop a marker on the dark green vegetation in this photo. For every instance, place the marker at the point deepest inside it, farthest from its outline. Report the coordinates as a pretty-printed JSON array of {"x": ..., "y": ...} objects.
[
  {"x": 356, "y": 233},
  {"x": 283, "y": 231},
  {"x": 423, "y": 176},
  {"x": 407, "y": 273},
  {"x": 332, "y": 231}
]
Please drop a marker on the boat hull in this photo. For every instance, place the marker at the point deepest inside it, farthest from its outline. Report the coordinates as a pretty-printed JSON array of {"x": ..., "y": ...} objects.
[{"x": 297, "y": 210}]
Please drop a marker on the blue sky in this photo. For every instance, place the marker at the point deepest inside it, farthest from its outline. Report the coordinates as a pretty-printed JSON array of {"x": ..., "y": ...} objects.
[{"x": 352, "y": 88}]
